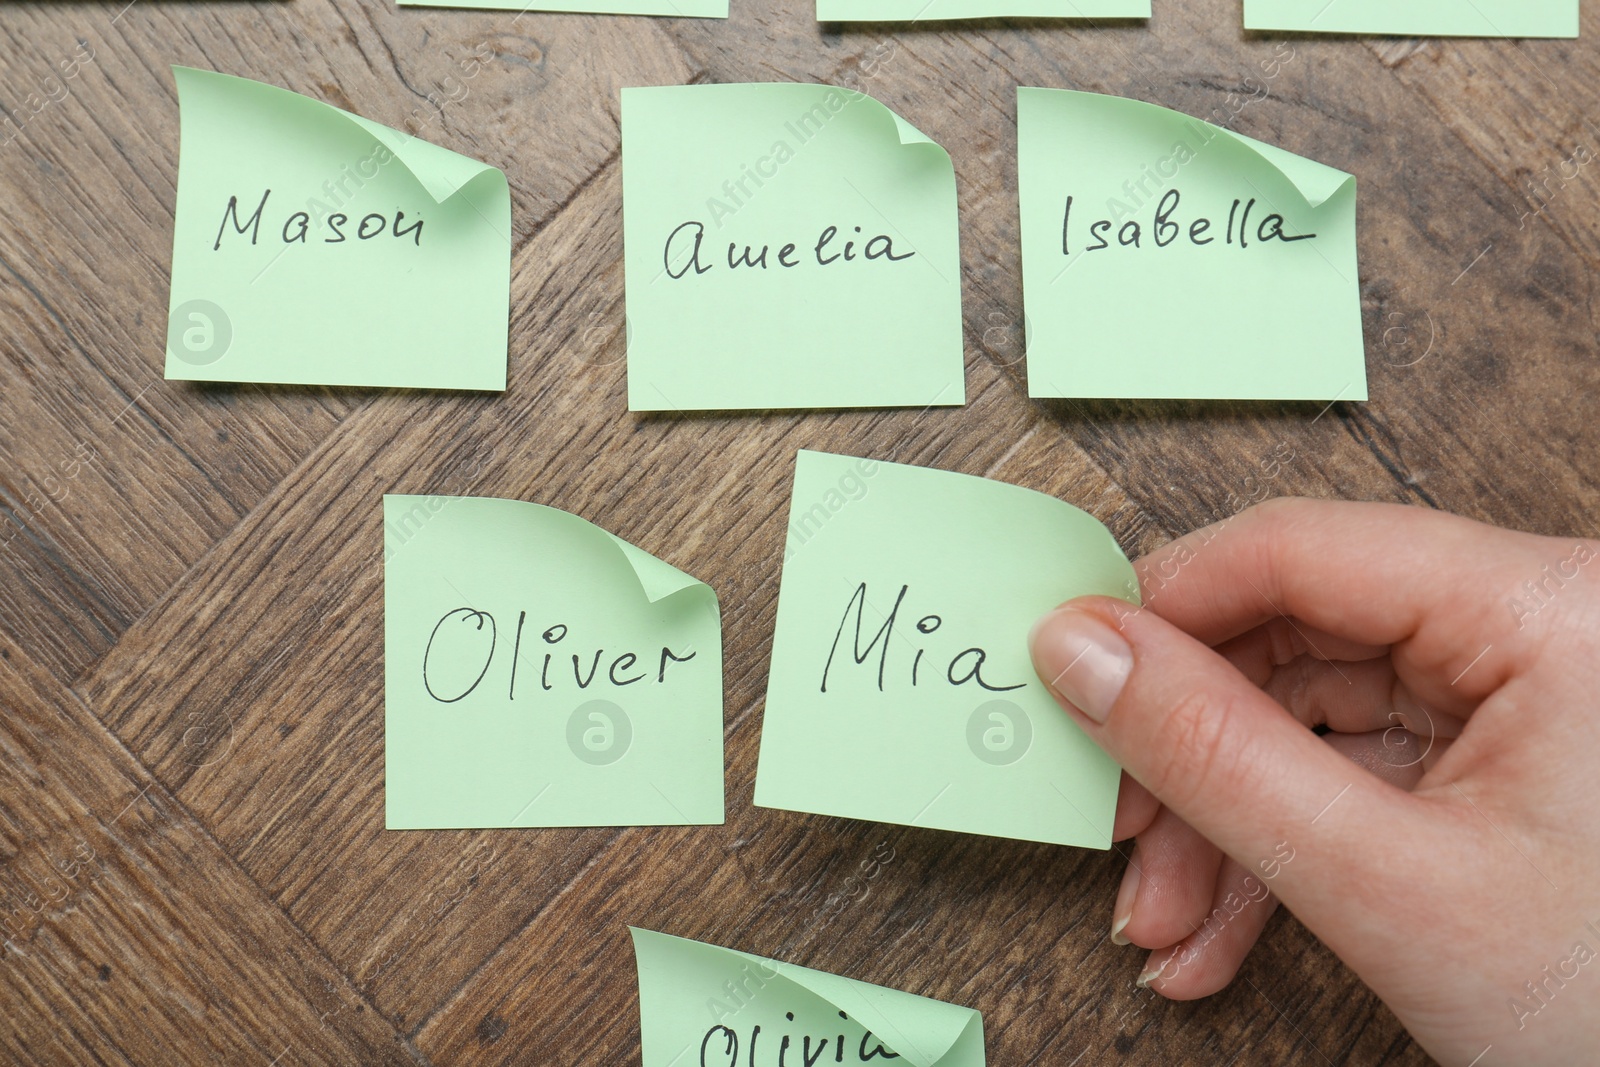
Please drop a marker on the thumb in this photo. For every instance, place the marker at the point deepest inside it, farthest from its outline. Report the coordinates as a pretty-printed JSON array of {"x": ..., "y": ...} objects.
[{"x": 1227, "y": 758}]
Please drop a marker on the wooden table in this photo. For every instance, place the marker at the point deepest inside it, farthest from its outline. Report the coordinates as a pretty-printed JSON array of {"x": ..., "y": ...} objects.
[{"x": 191, "y": 648}]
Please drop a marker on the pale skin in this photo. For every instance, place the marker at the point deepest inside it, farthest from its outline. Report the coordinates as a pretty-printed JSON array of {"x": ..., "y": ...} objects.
[{"x": 1443, "y": 837}]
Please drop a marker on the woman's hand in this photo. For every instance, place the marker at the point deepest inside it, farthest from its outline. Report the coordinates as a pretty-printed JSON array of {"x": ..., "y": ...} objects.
[{"x": 1443, "y": 837}]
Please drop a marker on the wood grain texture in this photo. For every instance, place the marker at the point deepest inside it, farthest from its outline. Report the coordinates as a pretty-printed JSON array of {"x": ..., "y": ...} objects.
[
  {"x": 130, "y": 936},
  {"x": 192, "y": 576}
]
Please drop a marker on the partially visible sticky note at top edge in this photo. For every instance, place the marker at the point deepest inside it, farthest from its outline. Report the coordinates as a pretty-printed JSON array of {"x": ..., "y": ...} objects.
[
  {"x": 312, "y": 246},
  {"x": 1417, "y": 18},
  {"x": 787, "y": 245},
  {"x": 729, "y": 1008},
  {"x": 937, "y": 10},
  {"x": 541, "y": 671},
  {"x": 1248, "y": 250},
  {"x": 702, "y": 9},
  {"x": 901, "y": 689}
]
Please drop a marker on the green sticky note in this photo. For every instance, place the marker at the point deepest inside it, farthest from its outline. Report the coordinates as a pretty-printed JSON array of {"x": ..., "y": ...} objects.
[
  {"x": 1164, "y": 257},
  {"x": 787, "y": 246},
  {"x": 704, "y": 9},
  {"x": 901, "y": 689},
  {"x": 705, "y": 1006},
  {"x": 541, "y": 672},
  {"x": 936, "y": 10},
  {"x": 1417, "y": 18},
  {"x": 314, "y": 247}
]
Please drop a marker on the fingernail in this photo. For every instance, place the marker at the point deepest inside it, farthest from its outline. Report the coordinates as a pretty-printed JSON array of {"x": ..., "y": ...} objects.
[
  {"x": 1153, "y": 970},
  {"x": 1122, "y": 914},
  {"x": 1084, "y": 661}
]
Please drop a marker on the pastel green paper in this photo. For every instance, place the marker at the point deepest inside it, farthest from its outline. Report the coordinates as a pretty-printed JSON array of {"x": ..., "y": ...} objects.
[
  {"x": 936, "y": 10},
  {"x": 706, "y": 9},
  {"x": 1243, "y": 283},
  {"x": 753, "y": 167},
  {"x": 927, "y": 711},
  {"x": 701, "y": 1006},
  {"x": 1417, "y": 18},
  {"x": 541, "y": 672},
  {"x": 331, "y": 283}
]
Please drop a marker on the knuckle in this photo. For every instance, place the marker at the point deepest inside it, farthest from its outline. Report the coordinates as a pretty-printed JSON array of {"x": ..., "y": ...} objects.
[
  {"x": 1273, "y": 519},
  {"x": 1284, "y": 642},
  {"x": 1279, "y": 508},
  {"x": 1299, "y": 694}
]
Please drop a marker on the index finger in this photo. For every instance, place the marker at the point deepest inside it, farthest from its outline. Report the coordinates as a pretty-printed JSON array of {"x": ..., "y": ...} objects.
[{"x": 1433, "y": 584}]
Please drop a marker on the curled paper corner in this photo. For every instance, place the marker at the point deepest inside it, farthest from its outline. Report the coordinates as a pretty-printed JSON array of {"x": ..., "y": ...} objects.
[
  {"x": 1097, "y": 530},
  {"x": 1316, "y": 182},
  {"x": 1093, "y": 527},
  {"x": 908, "y": 134},
  {"x": 917, "y": 1030},
  {"x": 441, "y": 172},
  {"x": 934, "y": 1028},
  {"x": 657, "y": 578}
]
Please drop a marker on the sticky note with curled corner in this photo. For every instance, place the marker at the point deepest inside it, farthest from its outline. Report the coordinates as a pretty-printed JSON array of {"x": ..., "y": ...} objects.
[
  {"x": 786, "y": 246},
  {"x": 717, "y": 1007},
  {"x": 314, "y": 247},
  {"x": 901, "y": 690},
  {"x": 1417, "y": 18},
  {"x": 1168, "y": 258},
  {"x": 540, "y": 671},
  {"x": 937, "y": 10}
]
